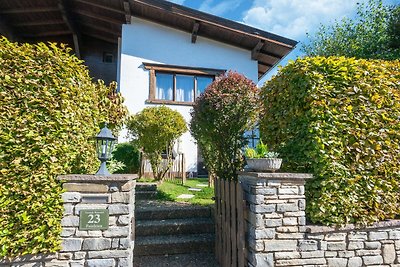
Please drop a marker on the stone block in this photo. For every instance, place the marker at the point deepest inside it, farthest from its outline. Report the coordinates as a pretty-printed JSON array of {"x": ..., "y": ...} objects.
[
  {"x": 80, "y": 263},
  {"x": 312, "y": 254},
  {"x": 377, "y": 236},
  {"x": 128, "y": 186},
  {"x": 302, "y": 204},
  {"x": 85, "y": 188},
  {"x": 287, "y": 255},
  {"x": 302, "y": 220},
  {"x": 308, "y": 245},
  {"x": 289, "y": 221},
  {"x": 337, "y": 262},
  {"x": 355, "y": 245},
  {"x": 124, "y": 243},
  {"x": 287, "y": 229},
  {"x": 373, "y": 245},
  {"x": 70, "y": 221},
  {"x": 123, "y": 220},
  {"x": 368, "y": 252},
  {"x": 301, "y": 262},
  {"x": 256, "y": 220},
  {"x": 290, "y": 236},
  {"x": 68, "y": 209},
  {"x": 280, "y": 245},
  {"x": 118, "y": 209},
  {"x": 71, "y": 197},
  {"x": 394, "y": 234},
  {"x": 267, "y": 233},
  {"x": 288, "y": 190},
  {"x": 357, "y": 236},
  {"x": 67, "y": 232},
  {"x": 273, "y": 222},
  {"x": 79, "y": 255},
  {"x": 106, "y": 254},
  {"x": 65, "y": 256},
  {"x": 52, "y": 263},
  {"x": 372, "y": 260},
  {"x": 96, "y": 244},
  {"x": 355, "y": 262},
  {"x": 264, "y": 259},
  {"x": 335, "y": 237},
  {"x": 101, "y": 263},
  {"x": 336, "y": 245},
  {"x": 388, "y": 253},
  {"x": 346, "y": 254},
  {"x": 331, "y": 254},
  {"x": 117, "y": 231},
  {"x": 71, "y": 244},
  {"x": 256, "y": 245},
  {"x": 120, "y": 197},
  {"x": 87, "y": 206},
  {"x": 123, "y": 262},
  {"x": 284, "y": 207}
]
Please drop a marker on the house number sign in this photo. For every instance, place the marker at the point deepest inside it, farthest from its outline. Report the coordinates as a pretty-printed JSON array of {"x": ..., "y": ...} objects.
[{"x": 93, "y": 219}]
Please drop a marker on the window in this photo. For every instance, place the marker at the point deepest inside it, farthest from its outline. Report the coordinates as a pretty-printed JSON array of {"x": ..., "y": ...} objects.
[
  {"x": 178, "y": 85},
  {"x": 108, "y": 57}
]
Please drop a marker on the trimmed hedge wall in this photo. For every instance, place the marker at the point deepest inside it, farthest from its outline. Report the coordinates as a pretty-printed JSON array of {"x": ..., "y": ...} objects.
[
  {"x": 49, "y": 109},
  {"x": 339, "y": 118}
]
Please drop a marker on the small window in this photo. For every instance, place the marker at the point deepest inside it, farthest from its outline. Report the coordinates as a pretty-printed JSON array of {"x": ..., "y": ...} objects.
[
  {"x": 108, "y": 57},
  {"x": 178, "y": 85}
]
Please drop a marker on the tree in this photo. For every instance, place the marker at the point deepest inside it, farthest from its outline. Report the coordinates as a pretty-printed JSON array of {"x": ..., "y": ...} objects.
[
  {"x": 155, "y": 130},
  {"x": 220, "y": 118},
  {"x": 372, "y": 34}
]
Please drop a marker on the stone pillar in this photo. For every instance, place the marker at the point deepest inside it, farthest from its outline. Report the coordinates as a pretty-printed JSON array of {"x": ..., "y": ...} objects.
[
  {"x": 275, "y": 215},
  {"x": 111, "y": 247}
]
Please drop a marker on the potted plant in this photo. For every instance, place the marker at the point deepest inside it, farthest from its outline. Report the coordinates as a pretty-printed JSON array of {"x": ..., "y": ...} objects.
[{"x": 260, "y": 159}]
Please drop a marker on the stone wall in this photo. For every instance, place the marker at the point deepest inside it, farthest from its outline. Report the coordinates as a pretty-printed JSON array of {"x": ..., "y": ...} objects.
[
  {"x": 278, "y": 234},
  {"x": 112, "y": 247}
]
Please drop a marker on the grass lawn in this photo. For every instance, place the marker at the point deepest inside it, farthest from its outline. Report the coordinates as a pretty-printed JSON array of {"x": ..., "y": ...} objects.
[{"x": 171, "y": 190}]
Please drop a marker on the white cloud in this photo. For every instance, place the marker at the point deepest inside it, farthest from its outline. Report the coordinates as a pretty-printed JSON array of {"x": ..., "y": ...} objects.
[
  {"x": 179, "y": 2},
  {"x": 219, "y": 8},
  {"x": 293, "y": 18}
]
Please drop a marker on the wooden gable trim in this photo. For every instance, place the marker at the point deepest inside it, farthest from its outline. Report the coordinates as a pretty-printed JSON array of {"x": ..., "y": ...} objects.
[{"x": 183, "y": 69}]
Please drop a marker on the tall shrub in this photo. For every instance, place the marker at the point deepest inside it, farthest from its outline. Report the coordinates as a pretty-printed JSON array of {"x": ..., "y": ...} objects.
[
  {"x": 128, "y": 154},
  {"x": 220, "y": 118},
  {"x": 339, "y": 118},
  {"x": 155, "y": 130},
  {"x": 49, "y": 108}
]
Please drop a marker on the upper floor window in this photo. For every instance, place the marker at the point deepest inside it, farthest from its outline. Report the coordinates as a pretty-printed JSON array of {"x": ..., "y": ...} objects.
[{"x": 178, "y": 85}]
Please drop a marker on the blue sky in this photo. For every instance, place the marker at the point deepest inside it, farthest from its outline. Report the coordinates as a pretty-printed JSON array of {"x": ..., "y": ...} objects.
[{"x": 289, "y": 18}]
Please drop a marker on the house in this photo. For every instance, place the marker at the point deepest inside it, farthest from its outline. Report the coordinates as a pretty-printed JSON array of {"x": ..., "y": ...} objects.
[{"x": 159, "y": 52}]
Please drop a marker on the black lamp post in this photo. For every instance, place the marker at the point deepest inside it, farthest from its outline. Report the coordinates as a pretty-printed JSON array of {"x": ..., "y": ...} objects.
[{"x": 104, "y": 146}]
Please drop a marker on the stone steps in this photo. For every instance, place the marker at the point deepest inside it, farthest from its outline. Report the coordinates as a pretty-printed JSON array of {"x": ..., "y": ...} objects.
[
  {"x": 146, "y": 191},
  {"x": 173, "y": 244},
  {"x": 177, "y": 260},
  {"x": 171, "y": 212},
  {"x": 175, "y": 226}
]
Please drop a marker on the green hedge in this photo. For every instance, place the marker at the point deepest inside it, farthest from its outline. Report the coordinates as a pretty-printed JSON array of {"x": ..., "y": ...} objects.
[
  {"x": 49, "y": 108},
  {"x": 339, "y": 118},
  {"x": 128, "y": 154}
]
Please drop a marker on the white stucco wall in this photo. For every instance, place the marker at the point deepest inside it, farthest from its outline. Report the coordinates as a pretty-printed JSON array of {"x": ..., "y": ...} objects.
[{"x": 145, "y": 41}]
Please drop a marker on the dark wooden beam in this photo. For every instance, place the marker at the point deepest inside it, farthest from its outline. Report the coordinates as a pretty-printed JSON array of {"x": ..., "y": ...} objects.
[
  {"x": 98, "y": 17},
  {"x": 128, "y": 13},
  {"x": 39, "y": 23},
  {"x": 100, "y": 6},
  {"x": 101, "y": 37},
  {"x": 69, "y": 20},
  {"x": 46, "y": 34},
  {"x": 29, "y": 10},
  {"x": 195, "y": 30},
  {"x": 7, "y": 31},
  {"x": 101, "y": 29},
  {"x": 255, "y": 53},
  {"x": 265, "y": 64}
]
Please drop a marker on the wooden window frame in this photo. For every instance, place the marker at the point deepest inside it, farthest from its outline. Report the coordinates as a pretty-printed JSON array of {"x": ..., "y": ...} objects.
[{"x": 175, "y": 70}]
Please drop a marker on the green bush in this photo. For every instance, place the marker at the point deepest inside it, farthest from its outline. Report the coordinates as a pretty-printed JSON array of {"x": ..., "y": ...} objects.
[
  {"x": 339, "y": 118},
  {"x": 49, "y": 109},
  {"x": 155, "y": 130},
  {"x": 128, "y": 154},
  {"x": 220, "y": 118}
]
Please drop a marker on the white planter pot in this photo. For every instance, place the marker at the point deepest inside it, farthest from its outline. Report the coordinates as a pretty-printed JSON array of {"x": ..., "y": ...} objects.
[{"x": 263, "y": 164}]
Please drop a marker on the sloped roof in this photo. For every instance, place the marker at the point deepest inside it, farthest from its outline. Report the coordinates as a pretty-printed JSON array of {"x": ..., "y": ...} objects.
[{"x": 31, "y": 20}]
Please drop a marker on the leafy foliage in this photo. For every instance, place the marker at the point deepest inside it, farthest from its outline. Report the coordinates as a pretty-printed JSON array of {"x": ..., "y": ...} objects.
[
  {"x": 220, "y": 117},
  {"x": 261, "y": 151},
  {"x": 49, "y": 108},
  {"x": 155, "y": 130},
  {"x": 339, "y": 119},
  {"x": 128, "y": 154},
  {"x": 373, "y": 34}
]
